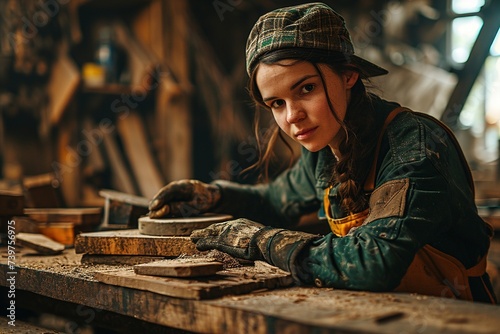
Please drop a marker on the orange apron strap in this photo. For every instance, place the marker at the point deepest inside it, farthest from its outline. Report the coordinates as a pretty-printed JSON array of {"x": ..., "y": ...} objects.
[
  {"x": 370, "y": 180},
  {"x": 342, "y": 226},
  {"x": 479, "y": 269},
  {"x": 427, "y": 253},
  {"x": 435, "y": 273}
]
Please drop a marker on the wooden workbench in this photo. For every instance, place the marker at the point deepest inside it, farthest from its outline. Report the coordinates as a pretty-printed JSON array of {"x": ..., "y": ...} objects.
[{"x": 48, "y": 280}]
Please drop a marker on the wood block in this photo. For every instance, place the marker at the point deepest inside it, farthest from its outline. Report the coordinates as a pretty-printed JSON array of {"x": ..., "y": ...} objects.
[
  {"x": 39, "y": 242},
  {"x": 77, "y": 216},
  {"x": 182, "y": 267},
  {"x": 121, "y": 209},
  {"x": 233, "y": 281},
  {"x": 180, "y": 225},
  {"x": 60, "y": 232},
  {"x": 131, "y": 242},
  {"x": 43, "y": 191},
  {"x": 11, "y": 203}
]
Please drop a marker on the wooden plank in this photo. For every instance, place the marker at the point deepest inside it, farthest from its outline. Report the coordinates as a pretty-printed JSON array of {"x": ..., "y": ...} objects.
[
  {"x": 68, "y": 165},
  {"x": 63, "y": 82},
  {"x": 180, "y": 226},
  {"x": 120, "y": 178},
  {"x": 39, "y": 242},
  {"x": 137, "y": 148},
  {"x": 131, "y": 242},
  {"x": 173, "y": 114},
  {"x": 140, "y": 61},
  {"x": 181, "y": 267},
  {"x": 233, "y": 281},
  {"x": 77, "y": 216}
]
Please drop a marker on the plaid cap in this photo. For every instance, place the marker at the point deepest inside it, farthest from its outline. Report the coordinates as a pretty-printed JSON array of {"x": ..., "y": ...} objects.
[{"x": 313, "y": 26}]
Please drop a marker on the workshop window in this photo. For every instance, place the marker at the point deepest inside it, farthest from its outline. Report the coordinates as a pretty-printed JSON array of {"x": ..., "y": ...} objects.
[
  {"x": 465, "y": 26},
  {"x": 481, "y": 112}
]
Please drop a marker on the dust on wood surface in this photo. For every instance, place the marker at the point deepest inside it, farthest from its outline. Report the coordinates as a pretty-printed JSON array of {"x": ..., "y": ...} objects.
[{"x": 233, "y": 281}]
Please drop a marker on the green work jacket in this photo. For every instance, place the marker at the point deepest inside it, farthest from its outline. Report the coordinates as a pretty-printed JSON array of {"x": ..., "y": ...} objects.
[{"x": 437, "y": 208}]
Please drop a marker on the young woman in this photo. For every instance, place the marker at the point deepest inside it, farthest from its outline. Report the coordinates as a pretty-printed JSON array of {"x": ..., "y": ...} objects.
[{"x": 392, "y": 184}]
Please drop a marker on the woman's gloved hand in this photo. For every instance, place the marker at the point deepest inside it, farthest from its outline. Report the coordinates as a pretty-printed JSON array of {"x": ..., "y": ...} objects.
[
  {"x": 184, "y": 198},
  {"x": 246, "y": 239},
  {"x": 235, "y": 237}
]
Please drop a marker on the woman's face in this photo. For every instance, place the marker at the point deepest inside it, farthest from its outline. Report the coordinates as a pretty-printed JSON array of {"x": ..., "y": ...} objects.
[{"x": 297, "y": 98}]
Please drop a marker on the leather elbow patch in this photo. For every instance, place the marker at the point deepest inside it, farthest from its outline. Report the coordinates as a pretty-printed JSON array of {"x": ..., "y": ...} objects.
[{"x": 388, "y": 200}]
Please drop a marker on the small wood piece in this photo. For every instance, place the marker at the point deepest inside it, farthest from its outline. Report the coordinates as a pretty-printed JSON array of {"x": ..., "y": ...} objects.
[
  {"x": 131, "y": 242},
  {"x": 121, "y": 209},
  {"x": 227, "y": 282},
  {"x": 40, "y": 243},
  {"x": 182, "y": 267},
  {"x": 180, "y": 225},
  {"x": 60, "y": 232}
]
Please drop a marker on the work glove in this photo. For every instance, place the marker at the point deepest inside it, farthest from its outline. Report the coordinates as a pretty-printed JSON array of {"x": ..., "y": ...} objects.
[
  {"x": 246, "y": 239},
  {"x": 184, "y": 198}
]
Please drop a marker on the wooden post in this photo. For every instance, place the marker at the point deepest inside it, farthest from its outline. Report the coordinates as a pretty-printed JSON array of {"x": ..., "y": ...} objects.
[{"x": 173, "y": 107}]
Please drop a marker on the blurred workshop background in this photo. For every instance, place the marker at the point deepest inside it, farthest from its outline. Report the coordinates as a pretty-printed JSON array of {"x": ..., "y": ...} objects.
[
  {"x": 100, "y": 98},
  {"x": 129, "y": 95}
]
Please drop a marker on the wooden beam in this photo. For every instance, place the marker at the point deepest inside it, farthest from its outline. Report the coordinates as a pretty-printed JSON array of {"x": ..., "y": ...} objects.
[{"x": 172, "y": 106}]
